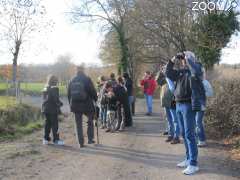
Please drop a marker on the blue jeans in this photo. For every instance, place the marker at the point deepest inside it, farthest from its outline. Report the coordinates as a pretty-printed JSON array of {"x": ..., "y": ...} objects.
[
  {"x": 200, "y": 128},
  {"x": 130, "y": 101},
  {"x": 173, "y": 123},
  {"x": 103, "y": 115},
  {"x": 186, "y": 117},
  {"x": 149, "y": 100}
]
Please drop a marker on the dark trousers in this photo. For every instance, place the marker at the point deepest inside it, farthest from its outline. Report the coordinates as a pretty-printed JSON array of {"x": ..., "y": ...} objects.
[
  {"x": 51, "y": 123},
  {"x": 127, "y": 113},
  {"x": 79, "y": 127},
  {"x": 121, "y": 117}
]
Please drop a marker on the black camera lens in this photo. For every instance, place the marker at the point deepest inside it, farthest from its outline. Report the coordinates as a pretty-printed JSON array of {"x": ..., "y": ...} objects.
[{"x": 180, "y": 56}]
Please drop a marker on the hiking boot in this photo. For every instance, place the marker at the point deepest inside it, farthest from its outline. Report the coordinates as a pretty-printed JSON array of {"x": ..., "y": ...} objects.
[
  {"x": 59, "y": 142},
  {"x": 175, "y": 141},
  {"x": 190, "y": 170},
  {"x": 202, "y": 144},
  {"x": 169, "y": 139},
  {"x": 183, "y": 164}
]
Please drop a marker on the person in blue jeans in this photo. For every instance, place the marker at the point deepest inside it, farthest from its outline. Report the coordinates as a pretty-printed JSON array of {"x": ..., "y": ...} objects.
[
  {"x": 200, "y": 131},
  {"x": 148, "y": 84},
  {"x": 168, "y": 102},
  {"x": 184, "y": 106},
  {"x": 173, "y": 126}
]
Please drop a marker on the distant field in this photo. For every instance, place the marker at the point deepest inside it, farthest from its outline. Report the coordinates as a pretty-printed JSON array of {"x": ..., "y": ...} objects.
[
  {"x": 33, "y": 88},
  {"x": 6, "y": 101},
  {"x": 3, "y": 86}
]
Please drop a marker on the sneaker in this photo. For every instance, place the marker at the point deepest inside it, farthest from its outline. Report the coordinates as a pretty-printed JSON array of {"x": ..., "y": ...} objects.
[
  {"x": 59, "y": 142},
  {"x": 175, "y": 141},
  {"x": 183, "y": 164},
  {"x": 190, "y": 170},
  {"x": 202, "y": 144},
  {"x": 45, "y": 142},
  {"x": 169, "y": 139}
]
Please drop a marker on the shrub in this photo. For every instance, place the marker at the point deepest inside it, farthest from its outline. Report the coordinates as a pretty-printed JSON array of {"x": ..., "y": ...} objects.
[
  {"x": 14, "y": 118},
  {"x": 223, "y": 112}
]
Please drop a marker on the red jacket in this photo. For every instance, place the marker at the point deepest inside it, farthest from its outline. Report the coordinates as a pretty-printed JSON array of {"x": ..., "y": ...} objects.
[{"x": 148, "y": 86}]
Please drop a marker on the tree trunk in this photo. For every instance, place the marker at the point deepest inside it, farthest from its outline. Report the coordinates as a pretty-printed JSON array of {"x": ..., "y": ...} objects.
[
  {"x": 123, "y": 65},
  {"x": 15, "y": 60}
]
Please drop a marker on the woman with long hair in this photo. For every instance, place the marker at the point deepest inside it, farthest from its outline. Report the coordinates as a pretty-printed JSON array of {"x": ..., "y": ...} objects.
[{"x": 51, "y": 109}]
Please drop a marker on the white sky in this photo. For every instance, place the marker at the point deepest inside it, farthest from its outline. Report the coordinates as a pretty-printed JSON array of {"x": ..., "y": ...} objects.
[{"x": 79, "y": 41}]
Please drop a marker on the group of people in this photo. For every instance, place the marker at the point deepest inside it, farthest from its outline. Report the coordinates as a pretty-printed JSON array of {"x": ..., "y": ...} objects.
[
  {"x": 111, "y": 104},
  {"x": 183, "y": 96},
  {"x": 115, "y": 98}
]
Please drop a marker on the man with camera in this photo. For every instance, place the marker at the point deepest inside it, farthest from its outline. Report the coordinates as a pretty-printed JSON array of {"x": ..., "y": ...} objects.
[{"x": 188, "y": 95}]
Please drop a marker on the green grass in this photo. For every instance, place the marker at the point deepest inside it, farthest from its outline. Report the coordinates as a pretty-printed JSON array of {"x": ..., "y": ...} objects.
[
  {"x": 6, "y": 101},
  {"x": 3, "y": 86},
  {"x": 37, "y": 88},
  {"x": 20, "y": 131},
  {"x": 29, "y": 128},
  {"x": 32, "y": 88}
]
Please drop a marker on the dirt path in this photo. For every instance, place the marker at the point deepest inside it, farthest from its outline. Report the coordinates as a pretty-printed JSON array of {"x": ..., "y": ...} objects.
[{"x": 139, "y": 153}]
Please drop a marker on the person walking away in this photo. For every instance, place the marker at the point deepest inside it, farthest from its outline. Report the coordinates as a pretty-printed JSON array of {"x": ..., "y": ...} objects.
[
  {"x": 128, "y": 83},
  {"x": 81, "y": 96},
  {"x": 111, "y": 108},
  {"x": 169, "y": 104},
  {"x": 148, "y": 84},
  {"x": 51, "y": 109},
  {"x": 188, "y": 101}
]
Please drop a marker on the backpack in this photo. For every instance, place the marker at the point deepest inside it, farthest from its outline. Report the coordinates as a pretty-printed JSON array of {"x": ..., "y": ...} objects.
[
  {"x": 78, "y": 91},
  {"x": 208, "y": 88}
]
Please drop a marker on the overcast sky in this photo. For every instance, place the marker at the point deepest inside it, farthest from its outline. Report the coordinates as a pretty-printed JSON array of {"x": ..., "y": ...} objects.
[{"x": 80, "y": 41}]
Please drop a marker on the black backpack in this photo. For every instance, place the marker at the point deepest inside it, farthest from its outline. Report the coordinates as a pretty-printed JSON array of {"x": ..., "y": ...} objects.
[{"x": 78, "y": 91}]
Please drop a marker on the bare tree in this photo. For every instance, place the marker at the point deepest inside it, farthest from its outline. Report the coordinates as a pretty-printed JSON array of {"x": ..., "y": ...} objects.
[
  {"x": 64, "y": 68},
  {"x": 110, "y": 15},
  {"x": 18, "y": 20}
]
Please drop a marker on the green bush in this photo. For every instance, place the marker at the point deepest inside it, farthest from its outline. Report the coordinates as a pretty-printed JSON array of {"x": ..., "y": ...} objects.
[
  {"x": 19, "y": 118},
  {"x": 223, "y": 112}
]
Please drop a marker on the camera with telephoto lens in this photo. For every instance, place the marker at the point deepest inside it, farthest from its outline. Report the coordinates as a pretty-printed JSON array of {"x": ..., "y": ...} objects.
[{"x": 180, "y": 56}]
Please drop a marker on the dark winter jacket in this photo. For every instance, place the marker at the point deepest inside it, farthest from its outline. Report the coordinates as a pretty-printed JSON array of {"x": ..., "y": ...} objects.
[
  {"x": 86, "y": 106},
  {"x": 112, "y": 103},
  {"x": 121, "y": 94},
  {"x": 183, "y": 90},
  {"x": 129, "y": 86},
  {"x": 189, "y": 87},
  {"x": 198, "y": 91},
  {"x": 51, "y": 102}
]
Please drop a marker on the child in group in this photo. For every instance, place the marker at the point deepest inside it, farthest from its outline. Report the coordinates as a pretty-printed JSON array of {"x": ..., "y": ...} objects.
[
  {"x": 111, "y": 108},
  {"x": 51, "y": 109}
]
